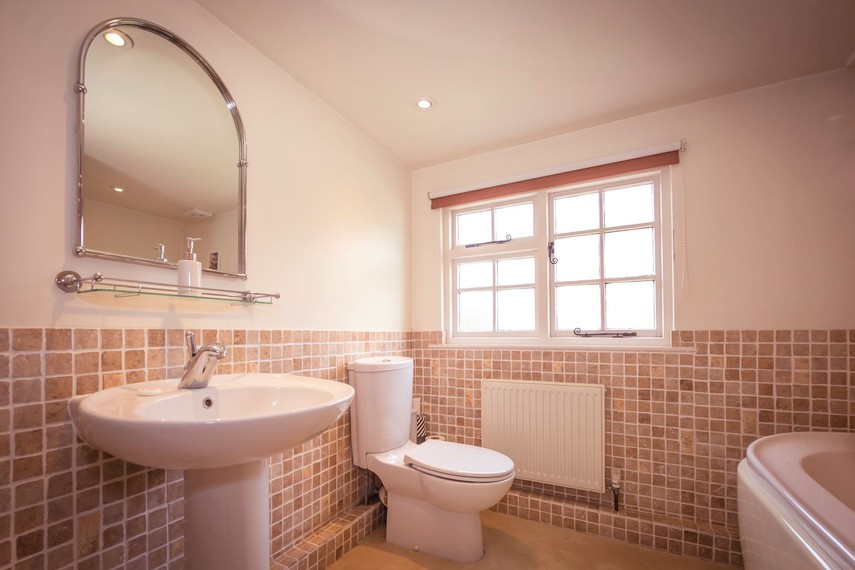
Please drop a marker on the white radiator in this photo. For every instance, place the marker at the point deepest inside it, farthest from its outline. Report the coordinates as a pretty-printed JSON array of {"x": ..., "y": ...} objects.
[{"x": 552, "y": 431}]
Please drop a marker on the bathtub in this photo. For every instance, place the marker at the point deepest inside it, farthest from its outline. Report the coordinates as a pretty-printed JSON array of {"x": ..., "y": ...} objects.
[{"x": 796, "y": 498}]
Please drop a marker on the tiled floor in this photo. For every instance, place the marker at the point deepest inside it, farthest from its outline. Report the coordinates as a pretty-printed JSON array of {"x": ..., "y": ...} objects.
[{"x": 517, "y": 544}]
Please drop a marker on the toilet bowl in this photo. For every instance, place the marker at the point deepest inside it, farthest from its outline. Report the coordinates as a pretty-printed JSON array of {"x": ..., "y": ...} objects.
[{"x": 436, "y": 490}]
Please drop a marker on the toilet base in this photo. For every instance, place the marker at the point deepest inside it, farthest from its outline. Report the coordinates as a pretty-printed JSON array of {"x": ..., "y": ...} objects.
[{"x": 418, "y": 525}]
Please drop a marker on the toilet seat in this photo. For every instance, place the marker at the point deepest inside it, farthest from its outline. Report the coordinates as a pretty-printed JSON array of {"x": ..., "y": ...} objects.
[{"x": 460, "y": 462}]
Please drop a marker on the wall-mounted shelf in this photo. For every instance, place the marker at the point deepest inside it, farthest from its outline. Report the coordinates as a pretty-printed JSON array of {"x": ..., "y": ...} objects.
[{"x": 72, "y": 282}]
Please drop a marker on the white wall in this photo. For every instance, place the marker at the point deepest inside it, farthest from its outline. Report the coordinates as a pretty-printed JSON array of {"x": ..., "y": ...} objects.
[
  {"x": 216, "y": 233},
  {"x": 122, "y": 230},
  {"x": 129, "y": 232},
  {"x": 328, "y": 209},
  {"x": 769, "y": 194}
]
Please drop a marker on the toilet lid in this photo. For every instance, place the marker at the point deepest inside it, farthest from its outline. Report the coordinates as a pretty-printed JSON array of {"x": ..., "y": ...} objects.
[{"x": 460, "y": 462}]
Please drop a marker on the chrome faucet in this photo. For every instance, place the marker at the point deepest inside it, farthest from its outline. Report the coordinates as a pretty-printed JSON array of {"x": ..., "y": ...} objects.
[{"x": 203, "y": 361}]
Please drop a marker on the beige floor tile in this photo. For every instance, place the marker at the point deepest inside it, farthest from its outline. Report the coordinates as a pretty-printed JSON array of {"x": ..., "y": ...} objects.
[{"x": 517, "y": 544}]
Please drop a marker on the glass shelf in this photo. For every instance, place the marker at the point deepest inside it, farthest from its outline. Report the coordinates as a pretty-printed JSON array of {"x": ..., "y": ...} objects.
[{"x": 71, "y": 282}]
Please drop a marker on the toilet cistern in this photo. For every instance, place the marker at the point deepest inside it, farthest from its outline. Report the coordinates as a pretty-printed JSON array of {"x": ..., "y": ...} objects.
[{"x": 203, "y": 361}]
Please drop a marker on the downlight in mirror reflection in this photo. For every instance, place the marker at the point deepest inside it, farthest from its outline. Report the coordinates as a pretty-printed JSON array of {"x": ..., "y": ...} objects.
[
  {"x": 424, "y": 103},
  {"x": 118, "y": 38}
]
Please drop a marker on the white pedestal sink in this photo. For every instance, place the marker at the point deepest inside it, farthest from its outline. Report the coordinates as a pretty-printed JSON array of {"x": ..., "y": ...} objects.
[{"x": 221, "y": 436}]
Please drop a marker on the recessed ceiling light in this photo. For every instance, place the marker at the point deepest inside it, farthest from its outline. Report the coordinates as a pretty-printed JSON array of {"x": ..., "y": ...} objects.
[
  {"x": 424, "y": 103},
  {"x": 118, "y": 38},
  {"x": 117, "y": 189}
]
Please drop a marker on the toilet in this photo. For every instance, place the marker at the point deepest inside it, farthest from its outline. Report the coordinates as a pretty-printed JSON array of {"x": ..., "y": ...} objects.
[{"x": 436, "y": 490}]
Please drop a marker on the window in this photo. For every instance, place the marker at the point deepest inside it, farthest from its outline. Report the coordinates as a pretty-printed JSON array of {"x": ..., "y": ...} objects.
[{"x": 588, "y": 263}]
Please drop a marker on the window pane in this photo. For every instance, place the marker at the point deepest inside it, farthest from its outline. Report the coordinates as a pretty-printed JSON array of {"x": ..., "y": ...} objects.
[
  {"x": 577, "y": 213},
  {"x": 515, "y": 310},
  {"x": 516, "y": 221},
  {"x": 478, "y": 274},
  {"x": 577, "y": 306},
  {"x": 516, "y": 271},
  {"x": 629, "y": 253},
  {"x": 474, "y": 227},
  {"x": 632, "y": 205},
  {"x": 475, "y": 311},
  {"x": 631, "y": 305},
  {"x": 578, "y": 258}
]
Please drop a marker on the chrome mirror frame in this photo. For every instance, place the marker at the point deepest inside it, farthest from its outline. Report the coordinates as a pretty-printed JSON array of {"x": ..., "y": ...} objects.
[{"x": 80, "y": 88}]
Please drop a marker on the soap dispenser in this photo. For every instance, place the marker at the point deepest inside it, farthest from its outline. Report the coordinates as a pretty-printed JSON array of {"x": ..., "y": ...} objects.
[{"x": 189, "y": 270}]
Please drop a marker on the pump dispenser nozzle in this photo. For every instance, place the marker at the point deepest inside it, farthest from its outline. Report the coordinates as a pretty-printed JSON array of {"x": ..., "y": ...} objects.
[{"x": 188, "y": 250}]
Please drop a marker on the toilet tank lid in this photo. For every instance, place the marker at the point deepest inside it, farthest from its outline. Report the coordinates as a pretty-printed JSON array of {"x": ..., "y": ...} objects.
[{"x": 380, "y": 363}]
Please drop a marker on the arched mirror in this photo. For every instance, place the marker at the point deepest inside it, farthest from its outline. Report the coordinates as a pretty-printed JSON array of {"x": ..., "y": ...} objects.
[{"x": 162, "y": 156}]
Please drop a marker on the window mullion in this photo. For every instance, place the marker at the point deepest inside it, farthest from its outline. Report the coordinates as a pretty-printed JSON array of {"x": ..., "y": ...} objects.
[
  {"x": 602, "y": 260},
  {"x": 495, "y": 295},
  {"x": 543, "y": 276}
]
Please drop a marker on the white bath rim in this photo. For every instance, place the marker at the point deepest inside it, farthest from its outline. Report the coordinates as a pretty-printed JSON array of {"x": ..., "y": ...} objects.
[{"x": 777, "y": 493}]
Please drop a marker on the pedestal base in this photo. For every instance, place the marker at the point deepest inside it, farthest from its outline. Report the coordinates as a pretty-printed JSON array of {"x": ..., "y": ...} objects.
[
  {"x": 418, "y": 525},
  {"x": 227, "y": 516}
]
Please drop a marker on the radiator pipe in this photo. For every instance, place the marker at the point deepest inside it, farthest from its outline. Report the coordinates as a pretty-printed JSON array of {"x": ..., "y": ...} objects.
[
  {"x": 616, "y": 493},
  {"x": 615, "y": 488}
]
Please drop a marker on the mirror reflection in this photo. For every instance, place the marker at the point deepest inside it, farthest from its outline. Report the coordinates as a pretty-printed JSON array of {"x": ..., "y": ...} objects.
[{"x": 163, "y": 154}]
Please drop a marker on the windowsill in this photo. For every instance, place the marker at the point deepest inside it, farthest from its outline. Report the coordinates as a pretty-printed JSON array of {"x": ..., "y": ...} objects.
[{"x": 564, "y": 347}]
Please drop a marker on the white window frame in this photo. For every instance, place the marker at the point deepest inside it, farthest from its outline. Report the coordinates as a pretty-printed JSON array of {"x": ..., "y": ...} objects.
[
  {"x": 545, "y": 333},
  {"x": 517, "y": 247}
]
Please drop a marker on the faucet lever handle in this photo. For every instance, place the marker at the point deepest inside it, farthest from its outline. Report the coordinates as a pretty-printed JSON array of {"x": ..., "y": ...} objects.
[{"x": 191, "y": 342}]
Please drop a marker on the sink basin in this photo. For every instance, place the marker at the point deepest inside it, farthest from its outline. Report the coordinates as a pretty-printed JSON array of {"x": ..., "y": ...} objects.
[
  {"x": 238, "y": 418},
  {"x": 222, "y": 436}
]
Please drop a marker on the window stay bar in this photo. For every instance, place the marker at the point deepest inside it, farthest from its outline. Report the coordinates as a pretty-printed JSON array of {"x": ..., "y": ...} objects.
[
  {"x": 617, "y": 334},
  {"x": 506, "y": 240}
]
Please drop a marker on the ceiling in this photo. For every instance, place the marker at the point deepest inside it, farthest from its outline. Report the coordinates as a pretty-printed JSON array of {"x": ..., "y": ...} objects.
[{"x": 504, "y": 72}]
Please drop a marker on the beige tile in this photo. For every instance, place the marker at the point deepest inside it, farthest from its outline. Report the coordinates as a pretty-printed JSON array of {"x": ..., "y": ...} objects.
[
  {"x": 58, "y": 339},
  {"x": 156, "y": 338},
  {"x": 27, "y": 339},
  {"x": 26, "y": 365}
]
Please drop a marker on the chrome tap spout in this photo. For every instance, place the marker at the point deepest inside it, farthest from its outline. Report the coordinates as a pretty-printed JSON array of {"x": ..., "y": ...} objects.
[{"x": 203, "y": 361}]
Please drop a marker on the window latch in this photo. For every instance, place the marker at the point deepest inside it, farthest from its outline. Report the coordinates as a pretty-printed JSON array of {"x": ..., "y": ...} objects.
[
  {"x": 506, "y": 240},
  {"x": 550, "y": 252},
  {"x": 617, "y": 334}
]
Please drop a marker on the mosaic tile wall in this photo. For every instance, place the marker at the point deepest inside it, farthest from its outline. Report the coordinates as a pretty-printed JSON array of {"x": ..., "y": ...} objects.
[
  {"x": 64, "y": 505},
  {"x": 314, "y": 484},
  {"x": 677, "y": 423}
]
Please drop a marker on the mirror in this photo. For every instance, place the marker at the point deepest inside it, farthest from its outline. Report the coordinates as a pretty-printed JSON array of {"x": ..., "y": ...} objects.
[{"x": 164, "y": 152}]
